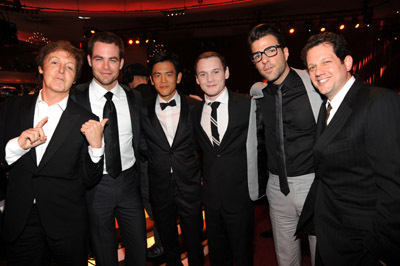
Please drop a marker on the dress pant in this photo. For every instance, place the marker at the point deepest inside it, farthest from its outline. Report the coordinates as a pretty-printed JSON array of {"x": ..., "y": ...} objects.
[
  {"x": 191, "y": 223},
  {"x": 285, "y": 212},
  {"x": 117, "y": 198},
  {"x": 230, "y": 236},
  {"x": 34, "y": 248}
]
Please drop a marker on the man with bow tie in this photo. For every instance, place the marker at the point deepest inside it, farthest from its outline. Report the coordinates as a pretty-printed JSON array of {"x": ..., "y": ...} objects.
[{"x": 174, "y": 167}]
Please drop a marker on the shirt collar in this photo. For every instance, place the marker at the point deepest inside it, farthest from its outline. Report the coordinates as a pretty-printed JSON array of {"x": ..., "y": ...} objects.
[
  {"x": 176, "y": 97},
  {"x": 99, "y": 91},
  {"x": 62, "y": 104},
  {"x": 338, "y": 99},
  {"x": 222, "y": 98}
]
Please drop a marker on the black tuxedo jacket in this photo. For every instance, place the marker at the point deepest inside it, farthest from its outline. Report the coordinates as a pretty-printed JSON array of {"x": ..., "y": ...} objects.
[
  {"x": 181, "y": 156},
  {"x": 80, "y": 94},
  {"x": 59, "y": 182},
  {"x": 354, "y": 202},
  {"x": 225, "y": 169}
]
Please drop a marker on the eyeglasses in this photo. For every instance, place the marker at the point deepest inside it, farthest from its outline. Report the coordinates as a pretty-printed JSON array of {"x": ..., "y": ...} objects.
[{"x": 270, "y": 51}]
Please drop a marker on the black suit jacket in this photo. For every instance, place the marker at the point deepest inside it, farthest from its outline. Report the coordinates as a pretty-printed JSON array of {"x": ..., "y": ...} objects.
[
  {"x": 59, "y": 182},
  {"x": 354, "y": 202},
  {"x": 81, "y": 96},
  {"x": 225, "y": 169},
  {"x": 181, "y": 156}
]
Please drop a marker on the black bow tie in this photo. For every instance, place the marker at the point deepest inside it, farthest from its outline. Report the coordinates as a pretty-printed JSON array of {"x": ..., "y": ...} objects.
[{"x": 164, "y": 105}]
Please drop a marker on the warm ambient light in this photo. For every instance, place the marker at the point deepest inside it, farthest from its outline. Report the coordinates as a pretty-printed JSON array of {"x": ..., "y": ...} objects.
[
  {"x": 323, "y": 29},
  {"x": 341, "y": 27},
  {"x": 291, "y": 30},
  {"x": 137, "y": 41},
  {"x": 130, "y": 41}
]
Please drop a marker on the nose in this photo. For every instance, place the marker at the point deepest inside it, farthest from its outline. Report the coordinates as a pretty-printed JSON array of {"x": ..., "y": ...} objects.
[
  {"x": 163, "y": 78},
  {"x": 264, "y": 58},
  {"x": 209, "y": 78},
  {"x": 319, "y": 71},
  {"x": 105, "y": 64},
  {"x": 62, "y": 68}
]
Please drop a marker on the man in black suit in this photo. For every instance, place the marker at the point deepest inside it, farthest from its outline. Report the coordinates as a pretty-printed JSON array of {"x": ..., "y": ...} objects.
[
  {"x": 117, "y": 195},
  {"x": 174, "y": 166},
  {"x": 49, "y": 165},
  {"x": 136, "y": 76},
  {"x": 224, "y": 140},
  {"x": 354, "y": 202}
]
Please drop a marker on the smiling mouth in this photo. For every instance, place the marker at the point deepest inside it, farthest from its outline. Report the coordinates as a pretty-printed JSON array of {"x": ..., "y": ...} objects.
[{"x": 322, "y": 81}]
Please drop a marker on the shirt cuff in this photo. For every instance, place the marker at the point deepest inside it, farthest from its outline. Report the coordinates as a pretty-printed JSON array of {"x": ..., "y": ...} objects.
[
  {"x": 14, "y": 151},
  {"x": 96, "y": 153}
]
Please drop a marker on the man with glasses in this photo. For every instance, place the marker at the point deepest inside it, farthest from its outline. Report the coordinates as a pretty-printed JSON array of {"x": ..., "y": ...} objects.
[{"x": 289, "y": 109}]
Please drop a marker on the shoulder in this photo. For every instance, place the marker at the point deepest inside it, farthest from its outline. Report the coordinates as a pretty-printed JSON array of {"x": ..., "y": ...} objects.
[{"x": 82, "y": 111}]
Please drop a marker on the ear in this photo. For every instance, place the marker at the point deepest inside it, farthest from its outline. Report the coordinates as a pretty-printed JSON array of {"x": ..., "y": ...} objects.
[
  {"x": 151, "y": 80},
  {"x": 40, "y": 70},
  {"x": 178, "y": 78},
  {"x": 227, "y": 72},
  {"x": 286, "y": 53},
  {"x": 89, "y": 59},
  {"x": 121, "y": 64},
  {"x": 348, "y": 62},
  {"x": 197, "y": 80}
]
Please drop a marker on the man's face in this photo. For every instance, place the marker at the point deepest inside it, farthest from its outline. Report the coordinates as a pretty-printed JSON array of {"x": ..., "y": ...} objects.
[
  {"x": 211, "y": 76},
  {"x": 59, "y": 71},
  {"x": 274, "y": 69},
  {"x": 106, "y": 64},
  {"x": 327, "y": 72},
  {"x": 164, "y": 78}
]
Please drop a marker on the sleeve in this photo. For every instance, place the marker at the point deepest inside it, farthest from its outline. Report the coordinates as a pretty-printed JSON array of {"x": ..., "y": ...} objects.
[
  {"x": 13, "y": 151},
  {"x": 383, "y": 150}
]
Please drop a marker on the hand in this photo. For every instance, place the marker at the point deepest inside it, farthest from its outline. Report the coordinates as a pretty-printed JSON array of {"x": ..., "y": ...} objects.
[
  {"x": 93, "y": 131},
  {"x": 33, "y": 137},
  {"x": 195, "y": 97}
]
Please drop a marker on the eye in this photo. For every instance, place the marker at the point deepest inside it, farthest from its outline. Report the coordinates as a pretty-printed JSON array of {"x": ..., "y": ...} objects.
[
  {"x": 256, "y": 56},
  {"x": 311, "y": 68},
  {"x": 326, "y": 62},
  {"x": 202, "y": 75},
  {"x": 114, "y": 60}
]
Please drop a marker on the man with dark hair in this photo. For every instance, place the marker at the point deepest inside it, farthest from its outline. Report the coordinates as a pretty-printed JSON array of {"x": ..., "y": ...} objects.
[
  {"x": 289, "y": 108},
  {"x": 354, "y": 203},
  {"x": 174, "y": 166},
  {"x": 49, "y": 165},
  {"x": 117, "y": 195},
  {"x": 136, "y": 76},
  {"x": 225, "y": 130}
]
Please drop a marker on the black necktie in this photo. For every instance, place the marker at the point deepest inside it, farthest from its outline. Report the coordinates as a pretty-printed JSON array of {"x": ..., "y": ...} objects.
[
  {"x": 214, "y": 123},
  {"x": 164, "y": 105},
  {"x": 111, "y": 139},
  {"x": 328, "y": 112},
  {"x": 283, "y": 183}
]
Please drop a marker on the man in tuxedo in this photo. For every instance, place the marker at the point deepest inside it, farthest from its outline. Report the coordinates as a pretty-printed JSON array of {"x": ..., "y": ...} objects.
[
  {"x": 44, "y": 141},
  {"x": 174, "y": 166},
  {"x": 223, "y": 124},
  {"x": 354, "y": 202},
  {"x": 288, "y": 106},
  {"x": 117, "y": 195}
]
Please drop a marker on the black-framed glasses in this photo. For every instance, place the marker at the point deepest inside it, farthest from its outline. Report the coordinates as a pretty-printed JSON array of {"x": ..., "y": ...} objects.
[{"x": 270, "y": 51}]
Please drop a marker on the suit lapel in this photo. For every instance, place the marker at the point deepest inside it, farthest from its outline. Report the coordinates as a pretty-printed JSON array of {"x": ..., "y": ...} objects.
[
  {"x": 27, "y": 119},
  {"x": 155, "y": 123},
  {"x": 134, "y": 117},
  {"x": 67, "y": 121},
  {"x": 337, "y": 123},
  {"x": 183, "y": 119},
  {"x": 231, "y": 113}
]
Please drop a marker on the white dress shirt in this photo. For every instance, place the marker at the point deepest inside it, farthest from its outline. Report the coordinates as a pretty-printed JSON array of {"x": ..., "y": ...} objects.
[
  {"x": 169, "y": 117},
  {"x": 222, "y": 115},
  {"x": 97, "y": 102},
  {"x": 338, "y": 99}
]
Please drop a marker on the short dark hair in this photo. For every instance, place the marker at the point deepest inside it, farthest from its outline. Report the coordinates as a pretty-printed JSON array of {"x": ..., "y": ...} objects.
[
  {"x": 64, "y": 46},
  {"x": 209, "y": 54},
  {"x": 165, "y": 56},
  {"x": 106, "y": 37},
  {"x": 132, "y": 70},
  {"x": 262, "y": 30},
  {"x": 337, "y": 41}
]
